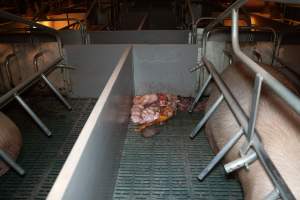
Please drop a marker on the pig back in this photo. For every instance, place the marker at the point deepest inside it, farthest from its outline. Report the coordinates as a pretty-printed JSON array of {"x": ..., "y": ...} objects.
[
  {"x": 10, "y": 140},
  {"x": 277, "y": 124}
]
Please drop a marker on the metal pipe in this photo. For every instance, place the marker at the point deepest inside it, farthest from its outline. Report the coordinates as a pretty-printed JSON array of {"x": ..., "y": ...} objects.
[
  {"x": 220, "y": 155},
  {"x": 254, "y": 107},
  {"x": 77, "y": 21},
  {"x": 27, "y": 83},
  {"x": 242, "y": 118},
  {"x": 224, "y": 14},
  {"x": 202, "y": 19},
  {"x": 9, "y": 161},
  {"x": 12, "y": 17},
  {"x": 207, "y": 35},
  {"x": 141, "y": 25},
  {"x": 200, "y": 93},
  {"x": 207, "y": 116},
  {"x": 282, "y": 91},
  {"x": 240, "y": 162},
  {"x": 35, "y": 60},
  {"x": 189, "y": 5},
  {"x": 274, "y": 195},
  {"x": 8, "y": 70},
  {"x": 61, "y": 98},
  {"x": 33, "y": 115}
]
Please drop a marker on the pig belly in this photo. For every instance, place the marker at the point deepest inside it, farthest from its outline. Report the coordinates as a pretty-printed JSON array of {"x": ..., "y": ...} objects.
[
  {"x": 10, "y": 140},
  {"x": 277, "y": 124}
]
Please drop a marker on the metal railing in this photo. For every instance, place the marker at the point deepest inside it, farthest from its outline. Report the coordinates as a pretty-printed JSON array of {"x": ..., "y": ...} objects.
[
  {"x": 82, "y": 27},
  {"x": 253, "y": 149},
  {"x": 39, "y": 74}
]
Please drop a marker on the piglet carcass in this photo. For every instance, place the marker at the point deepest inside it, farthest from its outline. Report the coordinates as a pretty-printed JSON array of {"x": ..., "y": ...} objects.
[
  {"x": 10, "y": 140},
  {"x": 151, "y": 109},
  {"x": 277, "y": 124}
]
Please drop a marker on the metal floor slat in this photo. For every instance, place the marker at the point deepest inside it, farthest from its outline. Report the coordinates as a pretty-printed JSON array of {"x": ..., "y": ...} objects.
[
  {"x": 166, "y": 166},
  {"x": 43, "y": 157}
]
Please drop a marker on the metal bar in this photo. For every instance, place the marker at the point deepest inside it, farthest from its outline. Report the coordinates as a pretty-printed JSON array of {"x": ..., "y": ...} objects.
[
  {"x": 200, "y": 93},
  {"x": 28, "y": 82},
  {"x": 224, "y": 14},
  {"x": 232, "y": 141},
  {"x": 207, "y": 34},
  {"x": 33, "y": 115},
  {"x": 240, "y": 162},
  {"x": 61, "y": 98},
  {"x": 35, "y": 60},
  {"x": 12, "y": 17},
  {"x": 143, "y": 22},
  {"x": 282, "y": 91},
  {"x": 254, "y": 106},
  {"x": 202, "y": 19},
  {"x": 206, "y": 116},
  {"x": 191, "y": 11},
  {"x": 8, "y": 70},
  {"x": 9, "y": 161},
  {"x": 274, "y": 195},
  {"x": 241, "y": 117}
]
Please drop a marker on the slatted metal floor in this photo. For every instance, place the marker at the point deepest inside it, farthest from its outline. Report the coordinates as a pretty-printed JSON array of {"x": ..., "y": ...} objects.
[
  {"x": 43, "y": 157},
  {"x": 166, "y": 166}
]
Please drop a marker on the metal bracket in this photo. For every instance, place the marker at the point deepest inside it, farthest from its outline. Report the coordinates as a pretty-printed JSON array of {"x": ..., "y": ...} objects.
[{"x": 244, "y": 161}]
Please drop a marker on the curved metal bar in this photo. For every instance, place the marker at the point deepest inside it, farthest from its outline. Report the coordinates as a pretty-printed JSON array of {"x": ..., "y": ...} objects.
[
  {"x": 35, "y": 60},
  {"x": 77, "y": 21},
  {"x": 275, "y": 37},
  {"x": 4, "y": 99},
  {"x": 8, "y": 69},
  {"x": 289, "y": 97},
  {"x": 202, "y": 19}
]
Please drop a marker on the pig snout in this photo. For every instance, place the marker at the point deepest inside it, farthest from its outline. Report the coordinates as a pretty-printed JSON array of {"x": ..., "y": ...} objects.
[{"x": 277, "y": 124}]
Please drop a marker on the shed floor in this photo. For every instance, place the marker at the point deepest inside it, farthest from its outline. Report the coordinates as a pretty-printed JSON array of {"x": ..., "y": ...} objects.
[
  {"x": 43, "y": 157},
  {"x": 166, "y": 166}
]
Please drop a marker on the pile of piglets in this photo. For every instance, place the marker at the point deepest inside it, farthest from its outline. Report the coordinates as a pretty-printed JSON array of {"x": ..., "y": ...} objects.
[{"x": 151, "y": 109}]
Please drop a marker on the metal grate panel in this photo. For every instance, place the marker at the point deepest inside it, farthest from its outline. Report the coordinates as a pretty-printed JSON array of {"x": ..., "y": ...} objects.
[
  {"x": 166, "y": 166},
  {"x": 43, "y": 157}
]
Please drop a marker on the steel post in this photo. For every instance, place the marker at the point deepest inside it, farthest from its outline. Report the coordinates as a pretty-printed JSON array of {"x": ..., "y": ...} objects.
[
  {"x": 200, "y": 93},
  {"x": 9, "y": 161},
  {"x": 206, "y": 116},
  {"x": 56, "y": 92},
  {"x": 220, "y": 155},
  {"x": 33, "y": 115}
]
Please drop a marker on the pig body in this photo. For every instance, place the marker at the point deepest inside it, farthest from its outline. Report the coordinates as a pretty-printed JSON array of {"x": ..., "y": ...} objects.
[
  {"x": 277, "y": 124},
  {"x": 10, "y": 140}
]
